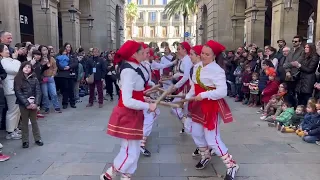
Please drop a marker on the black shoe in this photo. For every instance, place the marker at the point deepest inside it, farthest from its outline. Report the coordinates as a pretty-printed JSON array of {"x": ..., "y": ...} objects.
[
  {"x": 231, "y": 172},
  {"x": 25, "y": 145},
  {"x": 64, "y": 106},
  {"x": 111, "y": 99},
  {"x": 73, "y": 106},
  {"x": 196, "y": 153},
  {"x": 182, "y": 131},
  {"x": 145, "y": 151},
  {"x": 202, "y": 163},
  {"x": 39, "y": 143}
]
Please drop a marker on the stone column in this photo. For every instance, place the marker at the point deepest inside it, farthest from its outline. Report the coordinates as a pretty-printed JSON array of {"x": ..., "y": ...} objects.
[
  {"x": 317, "y": 24},
  {"x": 284, "y": 23},
  {"x": 237, "y": 31},
  {"x": 70, "y": 30},
  {"x": 255, "y": 29},
  {"x": 10, "y": 20},
  {"x": 46, "y": 24}
]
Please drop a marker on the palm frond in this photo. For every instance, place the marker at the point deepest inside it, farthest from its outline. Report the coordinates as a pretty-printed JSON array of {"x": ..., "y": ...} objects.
[{"x": 186, "y": 7}]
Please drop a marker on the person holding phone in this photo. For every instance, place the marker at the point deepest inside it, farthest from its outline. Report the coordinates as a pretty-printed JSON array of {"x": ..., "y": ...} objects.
[{"x": 28, "y": 92}]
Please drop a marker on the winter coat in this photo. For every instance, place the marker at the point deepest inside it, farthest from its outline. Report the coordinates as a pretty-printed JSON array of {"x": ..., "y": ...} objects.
[
  {"x": 29, "y": 87},
  {"x": 285, "y": 116},
  {"x": 100, "y": 65},
  {"x": 39, "y": 69},
  {"x": 307, "y": 77},
  {"x": 270, "y": 90},
  {"x": 246, "y": 78},
  {"x": 308, "y": 121},
  {"x": 3, "y": 75},
  {"x": 238, "y": 74},
  {"x": 296, "y": 119},
  {"x": 70, "y": 73},
  {"x": 315, "y": 127},
  {"x": 263, "y": 79},
  {"x": 11, "y": 66}
]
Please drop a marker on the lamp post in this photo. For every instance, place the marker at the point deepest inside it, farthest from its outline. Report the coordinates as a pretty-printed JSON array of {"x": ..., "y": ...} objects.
[
  {"x": 254, "y": 13},
  {"x": 287, "y": 5},
  {"x": 72, "y": 11},
  {"x": 234, "y": 21},
  {"x": 44, "y": 5},
  {"x": 90, "y": 19}
]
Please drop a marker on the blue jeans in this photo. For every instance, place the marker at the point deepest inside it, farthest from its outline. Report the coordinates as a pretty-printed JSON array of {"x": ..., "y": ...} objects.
[
  {"x": 310, "y": 139},
  {"x": 49, "y": 88}
]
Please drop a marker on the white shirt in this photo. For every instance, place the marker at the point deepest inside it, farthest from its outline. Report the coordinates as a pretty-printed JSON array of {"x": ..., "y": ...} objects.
[
  {"x": 11, "y": 66},
  {"x": 165, "y": 60},
  {"x": 130, "y": 81},
  {"x": 146, "y": 69},
  {"x": 158, "y": 66},
  {"x": 212, "y": 75},
  {"x": 185, "y": 65}
]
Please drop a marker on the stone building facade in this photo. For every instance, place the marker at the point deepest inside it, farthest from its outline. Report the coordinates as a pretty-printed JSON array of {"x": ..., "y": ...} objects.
[
  {"x": 153, "y": 26},
  {"x": 28, "y": 22},
  {"x": 235, "y": 22}
]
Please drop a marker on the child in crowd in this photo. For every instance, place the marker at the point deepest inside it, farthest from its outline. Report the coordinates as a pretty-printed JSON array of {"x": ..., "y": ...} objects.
[
  {"x": 263, "y": 80},
  {"x": 246, "y": 79},
  {"x": 238, "y": 74},
  {"x": 308, "y": 119},
  {"x": 28, "y": 92},
  {"x": 272, "y": 109},
  {"x": 254, "y": 90},
  {"x": 62, "y": 58},
  {"x": 271, "y": 87},
  {"x": 296, "y": 120},
  {"x": 283, "y": 120},
  {"x": 312, "y": 133}
]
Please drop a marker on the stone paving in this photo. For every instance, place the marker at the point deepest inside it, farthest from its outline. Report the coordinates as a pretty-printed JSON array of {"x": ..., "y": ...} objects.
[{"x": 77, "y": 148}]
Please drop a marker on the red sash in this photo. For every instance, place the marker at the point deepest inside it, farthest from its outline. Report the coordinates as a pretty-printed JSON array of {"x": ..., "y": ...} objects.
[
  {"x": 166, "y": 71},
  {"x": 206, "y": 111},
  {"x": 127, "y": 123}
]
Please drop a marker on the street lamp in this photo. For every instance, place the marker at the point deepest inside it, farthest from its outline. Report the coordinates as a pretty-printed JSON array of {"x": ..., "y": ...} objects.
[
  {"x": 90, "y": 20},
  {"x": 72, "y": 12},
  {"x": 44, "y": 5},
  {"x": 234, "y": 21},
  {"x": 287, "y": 5},
  {"x": 254, "y": 11},
  {"x": 120, "y": 28}
]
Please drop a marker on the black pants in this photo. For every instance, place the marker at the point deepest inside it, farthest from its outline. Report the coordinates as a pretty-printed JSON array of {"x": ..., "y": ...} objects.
[
  {"x": 67, "y": 88},
  {"x": 109, "y": 86},
  {"x": 3, "y": 113},
  {"x": 303, "y": 98}
]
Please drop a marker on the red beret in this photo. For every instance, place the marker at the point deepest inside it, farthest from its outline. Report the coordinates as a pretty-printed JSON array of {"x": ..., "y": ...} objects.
[
  {"x": 216, "y": 47},
  {"x": 126, "y": 51},
  {"x": 197, "y": 49},
  {"x": 187, "y": 46},
  {"x": 145, "y": 46},
  {"x": 271, "y": 72},
  {"x": 151, "y": 52}
]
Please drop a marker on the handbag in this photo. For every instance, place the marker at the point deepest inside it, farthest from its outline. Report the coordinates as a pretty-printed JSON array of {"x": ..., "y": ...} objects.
[
  {"x": 45, "y": 79},
  {"x": 90, "y": 79}
]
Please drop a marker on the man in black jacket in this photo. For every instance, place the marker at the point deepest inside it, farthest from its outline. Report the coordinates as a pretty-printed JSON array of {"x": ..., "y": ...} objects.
[{"x": 96, "y": 67}]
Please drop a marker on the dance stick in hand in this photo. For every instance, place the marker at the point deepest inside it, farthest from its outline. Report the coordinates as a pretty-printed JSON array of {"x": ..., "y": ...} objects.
[
  {"x": 164, "y": 94},
  {"x": 176, "y": 96},
  {"x": 167, "y": 104},
  {"x": 184, "y": 100},
  {"x": 152, "y": 88}
]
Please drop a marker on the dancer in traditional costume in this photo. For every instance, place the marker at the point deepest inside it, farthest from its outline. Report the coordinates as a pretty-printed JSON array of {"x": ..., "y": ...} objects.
[
  {"x": 126, "y": 120},
  {"x": 181, "y": 77},
  {"x": 157, "y": 67},
  {"x": 167, "y": 58},
  {"x": 209, "y": 108},
  {"x": 149, "y": 117}
]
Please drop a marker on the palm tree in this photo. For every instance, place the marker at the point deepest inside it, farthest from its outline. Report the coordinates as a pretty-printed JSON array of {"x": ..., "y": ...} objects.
[
  {"x": 184, "y": 7},
  {"x": 131, "y": 11},
  {"x": 131, "y": 14}
]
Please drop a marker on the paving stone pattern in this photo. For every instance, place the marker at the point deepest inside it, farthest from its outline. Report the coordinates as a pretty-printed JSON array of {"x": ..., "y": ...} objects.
[{"x": 77, "y": 148}]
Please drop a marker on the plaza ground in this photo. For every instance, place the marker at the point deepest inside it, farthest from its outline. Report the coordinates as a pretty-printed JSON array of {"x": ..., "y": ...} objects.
[{"x": 77, "y": 148}]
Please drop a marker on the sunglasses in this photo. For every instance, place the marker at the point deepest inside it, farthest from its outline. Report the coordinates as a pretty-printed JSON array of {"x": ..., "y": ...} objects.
[{"x": 295, "y": 41}]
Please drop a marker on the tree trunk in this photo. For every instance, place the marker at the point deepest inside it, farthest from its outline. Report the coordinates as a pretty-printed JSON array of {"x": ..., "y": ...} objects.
[{"x": 184, "y": 25}]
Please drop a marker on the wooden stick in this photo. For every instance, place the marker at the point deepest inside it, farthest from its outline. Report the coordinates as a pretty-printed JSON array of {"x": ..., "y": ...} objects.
[
  {"x": 166, "y": 78},
  {"x": 152, "y": 88},
  {"x": 161, "y": 89},
  {"x": 168, "y": 104},
  {"x": 176, "y": 96},
  {"x": 184, "y": 100},
  {"x": 164, "y": 94}
]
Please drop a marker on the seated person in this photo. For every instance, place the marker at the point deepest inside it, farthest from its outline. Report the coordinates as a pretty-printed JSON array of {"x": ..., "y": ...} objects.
[
  {"x": 283, "y": 119},
  {"x": 312, "y": 133},
  {"x": 307, "y": 120},
  {"x": 296, "y": 120}
]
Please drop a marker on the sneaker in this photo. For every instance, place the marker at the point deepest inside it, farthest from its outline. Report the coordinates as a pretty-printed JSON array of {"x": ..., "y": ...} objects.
[
  {"x": 196, "y": 153},
  {"x": 17, "y": 130},
  {"x": 202, "y": 163},
  {"x": 182, "y": 131},
  {"x": 145, "y": 151},
  {"x": 39, "y": 115},
  {"x": 57, "y": 110},
  {"x": 271, "y": 124},
  {"x": 14, "y": 135},
  {"x": 231, "y": 172},
  {"x": 39, "y": 143},
  {"x": 282, "y": 129},
  {"x": 263, "y": 117},
  {"x": 1, "y": 146},
  {"x": 4, "y": 157},
  {"x": 46, "y": 111},
  {"x": 318, "y": 143},
  {"x": 25, "y": 145},
  {"x": 89, "y": 105},
  {"x": 100, "y": 105}
]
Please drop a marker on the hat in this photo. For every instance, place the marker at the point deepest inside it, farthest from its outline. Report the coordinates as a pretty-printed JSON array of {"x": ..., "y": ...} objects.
[
  {"x": 126, "y": 51},
  {"x": 151, "y": 52},
  {"x": 216, "y": 47},
  {"x": 271, "y": 72},
  {"x": 145, "y": 46},
  {"x": 197, "y": 49},
  {"x": 282, "y": 41},
  {"x": 187, "y": 46}
]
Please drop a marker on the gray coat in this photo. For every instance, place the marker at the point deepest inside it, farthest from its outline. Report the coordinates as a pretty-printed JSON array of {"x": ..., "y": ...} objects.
[{"x": 293, "y": 56}]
